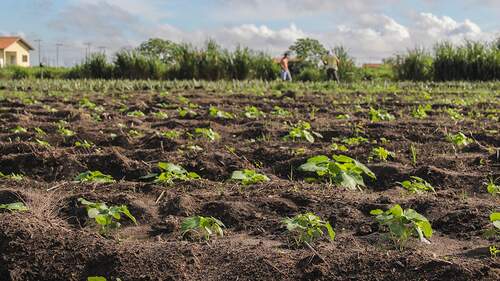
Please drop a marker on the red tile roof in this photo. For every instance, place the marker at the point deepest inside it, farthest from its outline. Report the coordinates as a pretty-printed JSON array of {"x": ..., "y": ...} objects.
[{"x": 5, "y": 42}]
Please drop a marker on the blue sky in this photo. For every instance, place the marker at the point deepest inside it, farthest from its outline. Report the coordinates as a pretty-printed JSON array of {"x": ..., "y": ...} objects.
[{"x": 370, "y": 29}]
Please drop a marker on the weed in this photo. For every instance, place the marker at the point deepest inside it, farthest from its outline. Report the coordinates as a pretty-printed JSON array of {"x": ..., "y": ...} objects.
[
  {"x": 413, "y": 154},
  {"x": 307, "y": 228},
  {"x": 341, "y": 170},
  {"x": 403, "y": 224},
  {"x": 106, "y": 217},
  {"x": 248, "y": 177},
  {"x": 84, "y": 144},
  {"x": 172, "y": 134},
  {"x": 13, "y": 176},
  {"x": 202, "y": 227}
]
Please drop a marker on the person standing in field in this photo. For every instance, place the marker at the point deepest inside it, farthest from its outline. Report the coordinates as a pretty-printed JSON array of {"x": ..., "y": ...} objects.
[
  {"x": 285, "y": 72},
  {"x": 331, "y": 62}
]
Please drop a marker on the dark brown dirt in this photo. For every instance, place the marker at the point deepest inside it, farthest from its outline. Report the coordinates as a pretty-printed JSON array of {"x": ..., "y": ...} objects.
[{"x": 56, "y": 241}]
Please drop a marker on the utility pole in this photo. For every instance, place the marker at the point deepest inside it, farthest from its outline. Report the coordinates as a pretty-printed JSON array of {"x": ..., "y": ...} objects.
[
  {"x": 57, "y": 53},
  {"x": 87, "y": 50},
  {"x": 39, "y": 51},
  {"x": 39, "y": 41}
]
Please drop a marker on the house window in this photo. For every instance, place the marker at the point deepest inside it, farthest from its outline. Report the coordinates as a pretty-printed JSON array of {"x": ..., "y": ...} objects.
[{"x": 25, "y": 58}]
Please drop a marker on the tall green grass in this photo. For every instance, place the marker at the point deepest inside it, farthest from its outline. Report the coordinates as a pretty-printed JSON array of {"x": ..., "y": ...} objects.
[{"x": 470, "y": 61}]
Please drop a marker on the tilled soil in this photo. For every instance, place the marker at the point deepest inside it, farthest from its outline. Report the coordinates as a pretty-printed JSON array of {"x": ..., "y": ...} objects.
[{"x": 56, "y": 241}]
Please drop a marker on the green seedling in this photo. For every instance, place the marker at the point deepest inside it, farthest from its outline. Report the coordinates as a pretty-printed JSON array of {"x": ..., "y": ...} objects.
[
  {"x": 421, "y": 111},
  {"x": 86, "y": 103},
  {"x": 307, "y": 228},
  {"x": 403, "y": 224},
  {"x": 43, "y": 143},
  {"x": 279, "y": 111},
  {"x": 494, "y": 251},
  {"x": 341, "y": 170},
  {"x": 186, "y": 112},
  {"x": 106, "y": 217},
  {"x": 495, "y": 221},
  {"x": 338, "y": 147},
  {"x": 354, "y": 141},
  {"x": 84, "y": 144},
  {"x": 302, "y": 131},
  {"x": 413, "y": 154},
  {"x": 172, "y": 134},
  {"x": 492, "y": 187},
  {"x": 454, "y": 114},
  {"x": 381, "y": 154},
  {"x": 380, "y": 115},
  {"x": 39, "y": 132},
  {"x": 13, "y": 176},
  {"x": 249, "y": 177},
  {"x": 207, "y": 133},
  {"x": 94, "y": 176},
  {"x": 100, "y": 278},
  {"x": 253, "y": 112},
  {"x": 136, "y": 113},
  {"x": 417, "y": 185},
  {"x": 18, "y": 130},
  {"x": 14, "y": 207},
  {"x": 160, "y": 115},
  {"x": 459, "y": 139},
  {"x": 200, "y": 227},
  {"x": 135, "y": 134},
  {"x": 217, "y": 113},
  {"x": 342, "y": 117},
  {"x": 172, "y": 172}
]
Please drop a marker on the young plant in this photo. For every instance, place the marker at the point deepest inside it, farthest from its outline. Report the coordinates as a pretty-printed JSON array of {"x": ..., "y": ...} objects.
[
  {"x": 172, "y": 134},
  {"x": 18, "y": 130},
  {"x": 43, "y": 143},
  {"x": 13, "y": 176},
  {"x": 307, "y": 228},
  {"x": 207, "y": 133},
  {"x": 171, "y": 172},
  {"x": 413, "y": 154},
  {"x": 160, "y": 115},
  {"x": 249, "y": 177},
  {"x": 492, "y": 188},
  {"x": 94, "y": 176},
  {"x": 302, "y": 131},
  {"x": 84, "y": 144},
  {"x": 14, "y": 207},
  {"x": 202, "y": 227},
  {"x": 186, "y": 112},
  {"x": 380, "y": 115},
  {"x": 403, "y": 224},
  {"x": 354, "y": 141},
  {"x": 61, "y": 128},
  {"x": 253, "y": 112},
  {"x": 417, "y": 185},
  {"x": 421, "y": 111},
  {"x": 217, "y": 113},
  {"x": 106, "y": 217},
  {"x": 136, "y": 113},
  {"x": 459, "y": 139},
  {"x": 279, "y": 111},
  {"x": 454, "y": 114},
  {"x": 381, "y": 154},
  {"x": 341, "y": 170}
]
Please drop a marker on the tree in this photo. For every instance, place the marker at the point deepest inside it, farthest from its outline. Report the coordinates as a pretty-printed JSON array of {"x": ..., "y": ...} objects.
[
  {"x": 308, "y": 49},
  {"x": 165, "y": 50}
]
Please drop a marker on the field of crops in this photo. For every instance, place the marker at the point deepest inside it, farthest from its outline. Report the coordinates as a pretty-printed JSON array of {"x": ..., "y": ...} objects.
[{"x": 242, "y": 181}]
